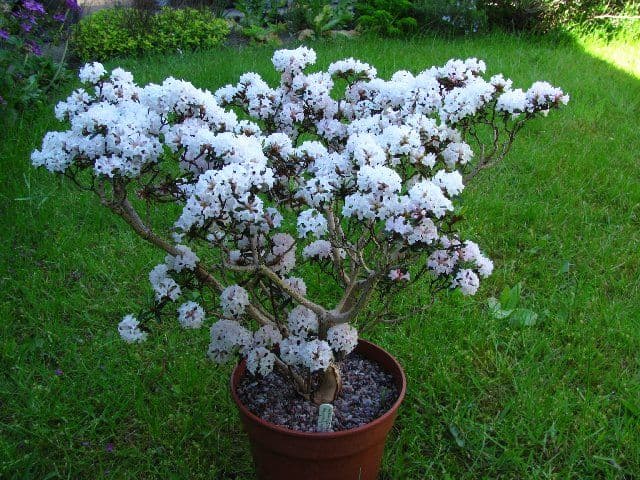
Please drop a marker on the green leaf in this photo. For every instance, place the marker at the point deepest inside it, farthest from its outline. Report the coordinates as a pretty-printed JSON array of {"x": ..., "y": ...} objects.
[
  {"x": 523, "y": 317},
  {"x": 495, "y": 308},
  {"x": 457, "y": 436},
  {"x": 510, "y": 297},
  {"x": 564, "y": 269}
]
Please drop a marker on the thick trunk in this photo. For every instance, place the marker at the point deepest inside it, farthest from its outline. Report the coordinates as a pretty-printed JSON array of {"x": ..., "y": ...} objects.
[{"x": 330, "y": 386}]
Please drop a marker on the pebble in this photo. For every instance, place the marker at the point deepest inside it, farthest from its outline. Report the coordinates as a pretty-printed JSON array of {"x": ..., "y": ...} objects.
[{"x": 367, "y": 393}]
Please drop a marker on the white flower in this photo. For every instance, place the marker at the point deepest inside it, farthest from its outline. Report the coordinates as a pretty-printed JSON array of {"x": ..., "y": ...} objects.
[
  {"x": 513, "y": 102},
  {"x": 457, "y": 153},
  {"x": 428, "y": 196},
  {"x": 297, "y": 284},
  {"x": 283, "y": 253},
  {"x": 352, "y": 67},
  {"x": 317, "y": 355},
  {"x": 233, "y": 301},
  {"x": 91, "y": 72},
  {"x": 442, "y": 262},
  {"x": 500, "y": 83},
  {"x": 190, "y": 315},
  {"x": 451, "y": 182},
  {"x": 293, "y": 60},
  {"x": 319, "y": 249},
  {"x": 378, "y": 179},
  {"x": 470, "y": 251},
  {"x": 343, "y": 338},
  {"x": 129, "y": 330},
  {"x": 313, "y": 222},
  {"x": 163, "y": 285},
  {"x": 302, "y": 321},
  {"x": 260, "y": 361},
  {"x": 227, "y": 337},
  {"x": 185, "y": 260},
  {"x": 484, "y": 265},
  {"x": 542, "y": 96},
  {"x": 267, "y": 336},
  {"x": 291, "y": 350},
  {"x": 467, "y": 280},
  {"x": 399, "y": 275}
]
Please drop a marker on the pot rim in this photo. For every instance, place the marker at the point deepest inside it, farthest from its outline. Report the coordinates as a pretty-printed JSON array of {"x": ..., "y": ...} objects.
[{"x": 326, "y": 435}]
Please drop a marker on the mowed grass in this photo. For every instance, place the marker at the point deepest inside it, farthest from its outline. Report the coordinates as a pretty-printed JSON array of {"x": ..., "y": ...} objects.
[{"x": 560, "y": 399}]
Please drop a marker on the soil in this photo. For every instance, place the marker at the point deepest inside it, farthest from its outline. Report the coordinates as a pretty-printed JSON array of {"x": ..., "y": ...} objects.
[{"x": 367, "y": 393}]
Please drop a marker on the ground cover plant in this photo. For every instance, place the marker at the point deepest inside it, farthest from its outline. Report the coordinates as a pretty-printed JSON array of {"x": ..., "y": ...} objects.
[{"x": 557, "y": 399}]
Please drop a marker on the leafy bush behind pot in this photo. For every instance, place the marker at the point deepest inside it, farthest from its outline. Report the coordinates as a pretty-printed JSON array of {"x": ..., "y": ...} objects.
[{"x": 119, "y": 32}]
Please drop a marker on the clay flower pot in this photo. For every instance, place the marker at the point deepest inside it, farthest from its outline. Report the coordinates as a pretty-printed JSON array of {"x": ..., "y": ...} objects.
[{"x": 280, "y": 453}]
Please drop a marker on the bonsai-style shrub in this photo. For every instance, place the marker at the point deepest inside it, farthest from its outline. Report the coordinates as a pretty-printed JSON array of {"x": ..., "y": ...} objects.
[{"x": 359, "y": 189}]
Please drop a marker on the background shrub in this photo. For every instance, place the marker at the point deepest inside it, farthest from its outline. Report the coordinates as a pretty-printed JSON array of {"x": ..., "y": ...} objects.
[
  {"x": 537, "y": 16},
  {"x": 121, "y": 32},
  {"x": 320, "y": 16},
  {"x": 390, "y": 18},
  {"x": 456, "y": 16}
]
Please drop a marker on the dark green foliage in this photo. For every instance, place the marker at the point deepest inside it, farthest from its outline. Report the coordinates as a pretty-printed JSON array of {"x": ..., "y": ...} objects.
[
  {"x": 391, "y": 18},
  {"x": 25, "y": 80},
  {"x": 260, "y": 12},
  {"x": 456, "y": 16},
  {"x": 216, "y": 6},
  {"x": 262, "y": 21},
  {"x": 320, "y": 16},
  {"x": 539, "y": 16},
  {"x": 122, "y": 32}
]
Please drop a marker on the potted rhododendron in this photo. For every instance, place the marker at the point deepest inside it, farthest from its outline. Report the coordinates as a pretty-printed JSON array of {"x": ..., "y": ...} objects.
[{"x": 336, "y": 175}]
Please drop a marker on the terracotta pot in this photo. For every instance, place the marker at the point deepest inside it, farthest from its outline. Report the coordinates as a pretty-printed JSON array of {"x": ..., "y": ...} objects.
[{"x": 282, "y": 454}]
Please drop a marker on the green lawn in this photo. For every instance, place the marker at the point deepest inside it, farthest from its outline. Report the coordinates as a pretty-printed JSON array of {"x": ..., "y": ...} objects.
[{"x": 559, "y": 400}]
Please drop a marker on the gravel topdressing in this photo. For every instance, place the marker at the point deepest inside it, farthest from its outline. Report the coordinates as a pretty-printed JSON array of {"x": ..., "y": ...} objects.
[{"x": 367, "y": 393}]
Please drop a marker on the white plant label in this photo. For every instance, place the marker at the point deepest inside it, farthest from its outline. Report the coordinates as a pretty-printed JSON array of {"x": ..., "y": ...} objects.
[{"x": 325, "y": 417}]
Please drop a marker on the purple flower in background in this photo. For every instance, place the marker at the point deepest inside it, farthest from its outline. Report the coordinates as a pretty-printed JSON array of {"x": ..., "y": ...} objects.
[
  {"x": 109, "y": 447},
  {"x": 59, "y": 17},
  {"x": 33, "y": 6},
  {"x": 26, "y": 27},
  {"x": 73, "y": 5},
  {"x": 34, "y": 48},
  {"x": 4, "y": 35},
  {"x": 58, "y": 372}
]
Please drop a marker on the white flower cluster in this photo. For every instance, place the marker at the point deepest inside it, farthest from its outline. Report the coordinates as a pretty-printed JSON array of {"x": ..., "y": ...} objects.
[
  {"x": 119, "y": 129},
  {"x": 369, "y": 182},
  {"x": 130, "y": 331},
  {"x": 540, "y": 97},
  {"x": 190, "y": 315},
  {"x": 233, "y": 301},
  {"x": 301, "y": 348}
]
